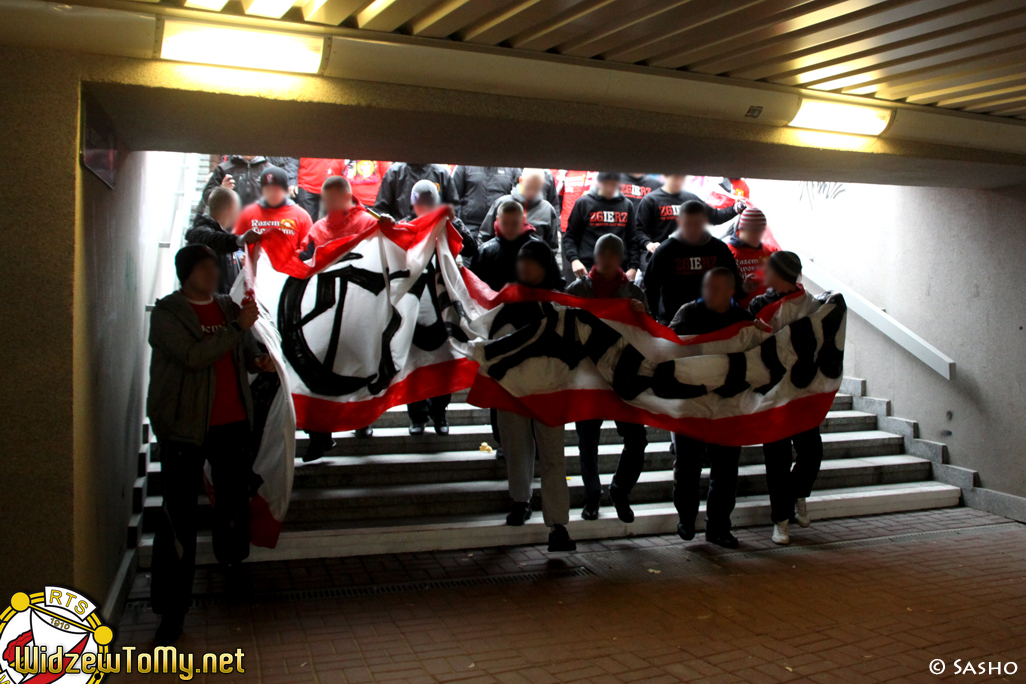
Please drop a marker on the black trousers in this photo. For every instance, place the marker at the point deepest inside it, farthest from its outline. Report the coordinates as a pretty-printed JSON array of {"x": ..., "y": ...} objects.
[
  {"x": 227, "y": 447},
  {"x": 434, "y": 408},
  {"x": 310, "y": 201},
  {"x": 786, "y": 482},
  {"x": 687, "y": 478},
  {"x": 632, "y": 458}
]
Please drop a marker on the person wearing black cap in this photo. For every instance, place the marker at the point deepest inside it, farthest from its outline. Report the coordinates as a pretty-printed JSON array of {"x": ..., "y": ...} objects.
[
  {"x": 523, "y": 438},
  {"x": 674, "y": 275},
  {"x": 789, "y": 486},
  {"x": 601, "y": 210},
  {"x": 397, "y": 185},
  {"x": 200, "y": 409},
  {"x": 275, "y": 210},
  {"x": 606, "y": 280}
]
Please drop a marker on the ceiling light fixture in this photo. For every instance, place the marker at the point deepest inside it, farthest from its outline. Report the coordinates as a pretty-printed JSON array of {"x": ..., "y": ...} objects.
[
  {"x": 840, "y": 117},
  {"x": 188, "y": 41}
]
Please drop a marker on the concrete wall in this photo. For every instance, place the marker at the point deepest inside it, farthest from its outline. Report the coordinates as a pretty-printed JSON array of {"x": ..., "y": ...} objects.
[{"x": 948, "y": 264}]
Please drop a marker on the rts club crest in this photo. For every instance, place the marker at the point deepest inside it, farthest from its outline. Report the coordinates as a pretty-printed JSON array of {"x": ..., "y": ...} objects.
[{"x": 52, "y": 636}]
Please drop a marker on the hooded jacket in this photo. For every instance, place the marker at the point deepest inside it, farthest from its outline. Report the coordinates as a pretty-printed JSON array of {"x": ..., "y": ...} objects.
[
  {"x": 182, "y": 375},
  {"x": 657, "y": 214},
  {"x": 394, "y": 194},
  {"x": 539, "y": 212},
  {"x": 674, "y": 276},
  {"x": 479, "y": 187},
  {"x": 496, "y": 262},
  {"x": 592, "y": 217},
  {"x": 246, "y": 175},
  {"x": 637, "y": 188},
  {"x": 206, "y": 231}
]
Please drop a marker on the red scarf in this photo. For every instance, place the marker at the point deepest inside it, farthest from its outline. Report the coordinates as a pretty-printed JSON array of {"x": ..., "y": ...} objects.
[{"x": 603, "y": 287}]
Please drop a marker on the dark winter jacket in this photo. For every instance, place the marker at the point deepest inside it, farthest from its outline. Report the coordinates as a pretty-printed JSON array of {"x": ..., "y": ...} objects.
[
  {"x": 674, "y": 276},
  {"x": 496, "y": 263},
  {"x": 479, "y": 187},
  {"x": 182, "y": 374},
  {"x": 246, "y": 175},
  {"x": 539, "y": 213},
  {"x": 394, "y": 193},
  {"x": 206, "y": 231},
  {"x": 592, "y": 217},
  {"x": 582, "y": 287},
  {"x": 695, "y": 318}
]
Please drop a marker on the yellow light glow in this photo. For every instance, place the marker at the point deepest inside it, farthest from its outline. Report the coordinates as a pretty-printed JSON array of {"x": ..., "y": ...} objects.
[
  {"x": 841, "y": 118},
  {"x": 186, "y": 41},
  {"x": 267, "y": 8},
  {"x": 211, "y": 5}
]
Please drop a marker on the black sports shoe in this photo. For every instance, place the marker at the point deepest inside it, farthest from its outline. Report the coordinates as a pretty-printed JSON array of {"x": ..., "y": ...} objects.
[
  {"x": 364, "y": 431},
  {"x": 320, "y": 442},
  {"x": 622, "y": 502},
  {"x": 169, "y": 630},
  {"x": 686, "y": 532},
  {"x": 591, "y": 508},
  {"x": 416, "y": 430},
  {"x": 518, "y": 514},
  {"x": 500, "y": 454},
  {"x": 441, "y": 427},
  {"x": 559, "y": 540},
  {"x": 724, "y": 539}
]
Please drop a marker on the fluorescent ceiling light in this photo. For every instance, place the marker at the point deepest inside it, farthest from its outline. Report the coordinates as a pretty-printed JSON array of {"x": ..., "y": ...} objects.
[
  {"x": 267, "y": 8},
  {"x": 187, "y": 41},
  {"x": 211, "y": 5},
  {"x": 839, "y": 117}
]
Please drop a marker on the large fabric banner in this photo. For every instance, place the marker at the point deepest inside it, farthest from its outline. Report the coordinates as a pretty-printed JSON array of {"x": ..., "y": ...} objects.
[{"x": 385, "y": 316}]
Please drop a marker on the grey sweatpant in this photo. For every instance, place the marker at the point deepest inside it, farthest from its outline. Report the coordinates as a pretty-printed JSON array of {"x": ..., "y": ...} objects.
[{"x": 519, "y": 436}]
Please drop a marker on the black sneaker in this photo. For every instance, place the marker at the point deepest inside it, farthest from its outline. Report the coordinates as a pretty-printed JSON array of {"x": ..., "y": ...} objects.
[
  {"x": 364, "y": 431},
  {"x": 591, "y": 508},
  {"x": 441, "y": 427},
  {"x": 169, "y": 630},
  {"x": 319, "y": 443},
  {"x": 621, "y": 500},
  {"x": 686, "y": 532},
  {"x": 500, "y": 454},
  {"x": 724, "y": 539},
  {"x": 559, "y": 540},
  {"x": 519, "y": 514},
  {"x": 416, "y": 430}
]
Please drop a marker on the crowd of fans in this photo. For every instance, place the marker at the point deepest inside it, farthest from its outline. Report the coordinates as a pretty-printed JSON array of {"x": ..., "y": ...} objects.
[{"x": 609, "y": 235}]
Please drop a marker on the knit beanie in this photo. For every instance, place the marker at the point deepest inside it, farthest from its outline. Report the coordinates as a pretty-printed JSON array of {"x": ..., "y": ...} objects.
[
  {"x": 274, "y": 175},
  {"x": 609, "y": 243},
  {"x": 189, "y": 257},
  {"x": 537, "y": 251},
  {"x": 752, "y": 219},
  {"x": 787, "y": 265}
]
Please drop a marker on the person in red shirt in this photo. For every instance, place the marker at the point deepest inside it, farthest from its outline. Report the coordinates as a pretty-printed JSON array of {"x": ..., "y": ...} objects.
[
  {"x": 750, "y": 253},
  {"x": 312, "y": 173},
  {"x": 364, "y": 177},
  {"x": 572, "y": 185},
  {"x": 275, "y": 210},
  {"x": 200, "y": 409}
]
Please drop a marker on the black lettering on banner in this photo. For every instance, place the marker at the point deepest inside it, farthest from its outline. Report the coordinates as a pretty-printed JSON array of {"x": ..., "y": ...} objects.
[
  {"x": 666, "y": 385},
  {"x": 770, "y": 358},
  {"x": 831, "y": 359},
  {"x": 735, "y": 382},
  {"x": 429, "y": 337},
  {"x": 803, "y": 340},
  {"x": 626, "y": 381}
]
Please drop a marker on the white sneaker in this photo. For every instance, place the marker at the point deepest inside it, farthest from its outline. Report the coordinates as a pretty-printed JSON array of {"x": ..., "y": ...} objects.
[
  {"x": 780, "y": 535},
  {"x": 802, "y": 513}
]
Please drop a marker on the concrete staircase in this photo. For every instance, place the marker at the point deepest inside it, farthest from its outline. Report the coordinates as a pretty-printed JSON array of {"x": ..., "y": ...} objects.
[{"x": 395, "y": 493}]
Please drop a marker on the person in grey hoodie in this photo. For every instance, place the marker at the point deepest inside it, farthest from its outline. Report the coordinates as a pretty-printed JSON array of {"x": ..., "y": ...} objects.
[
  {"x": 607, "y": 280},
  {"x": 200, "y": 409},
  {"x": 540, "y": 213}
]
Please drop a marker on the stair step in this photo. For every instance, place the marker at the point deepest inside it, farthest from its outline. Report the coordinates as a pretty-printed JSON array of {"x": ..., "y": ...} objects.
[
  {"x": 312, "y": 505},
  {"x": 417, "y": 534}
]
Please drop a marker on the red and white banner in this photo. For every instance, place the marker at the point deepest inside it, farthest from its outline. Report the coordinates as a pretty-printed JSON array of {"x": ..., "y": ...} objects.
[{"x": 384, "y": 315}]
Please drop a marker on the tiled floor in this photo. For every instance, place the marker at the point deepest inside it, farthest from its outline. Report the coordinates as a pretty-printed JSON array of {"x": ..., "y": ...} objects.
[{"x": 858, "y": 600}]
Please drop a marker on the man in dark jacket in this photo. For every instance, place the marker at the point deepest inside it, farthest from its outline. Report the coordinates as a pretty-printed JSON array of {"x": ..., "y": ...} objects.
[
  {"x": 200, "y": 409},
  {"x": 658, "y": 211},
  {"x": 674, "y": 276},
  {"x": 496, "y": 263},
  {"x": 601, "y": 210},
  {"x": 714, "y": 311},
  {"x": 241, "y": 173},
  {"x": 637, "y": 186},
  {"x": 479, "y": 187},
  {"x": 606, "y": 280},
  {"x": 214, "y": 229},
  {"x": 397, "y": 186},
  {"x": 540, "y": 213}
]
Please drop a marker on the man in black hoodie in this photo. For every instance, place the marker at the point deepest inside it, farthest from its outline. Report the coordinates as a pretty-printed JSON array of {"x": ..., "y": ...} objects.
[
  {"x": 479, "y": 187},
  {"x": 397, "y": 186},
  {"x": 601, "y": 210},
  {"x": 674, "y": 276},
  {"x": 637, "y": 186},
  {"x": 540, "y": 213},
  {"x": 658, "y": 211},
  {"x": 214, "y": 229}
]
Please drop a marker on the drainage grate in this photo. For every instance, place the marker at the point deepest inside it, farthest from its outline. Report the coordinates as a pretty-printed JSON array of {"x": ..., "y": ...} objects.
[{"x": 379, "y": 589}]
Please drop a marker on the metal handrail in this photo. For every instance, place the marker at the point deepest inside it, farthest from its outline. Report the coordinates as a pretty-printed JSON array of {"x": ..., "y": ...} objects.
[{"x": 882, "y": 321}]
